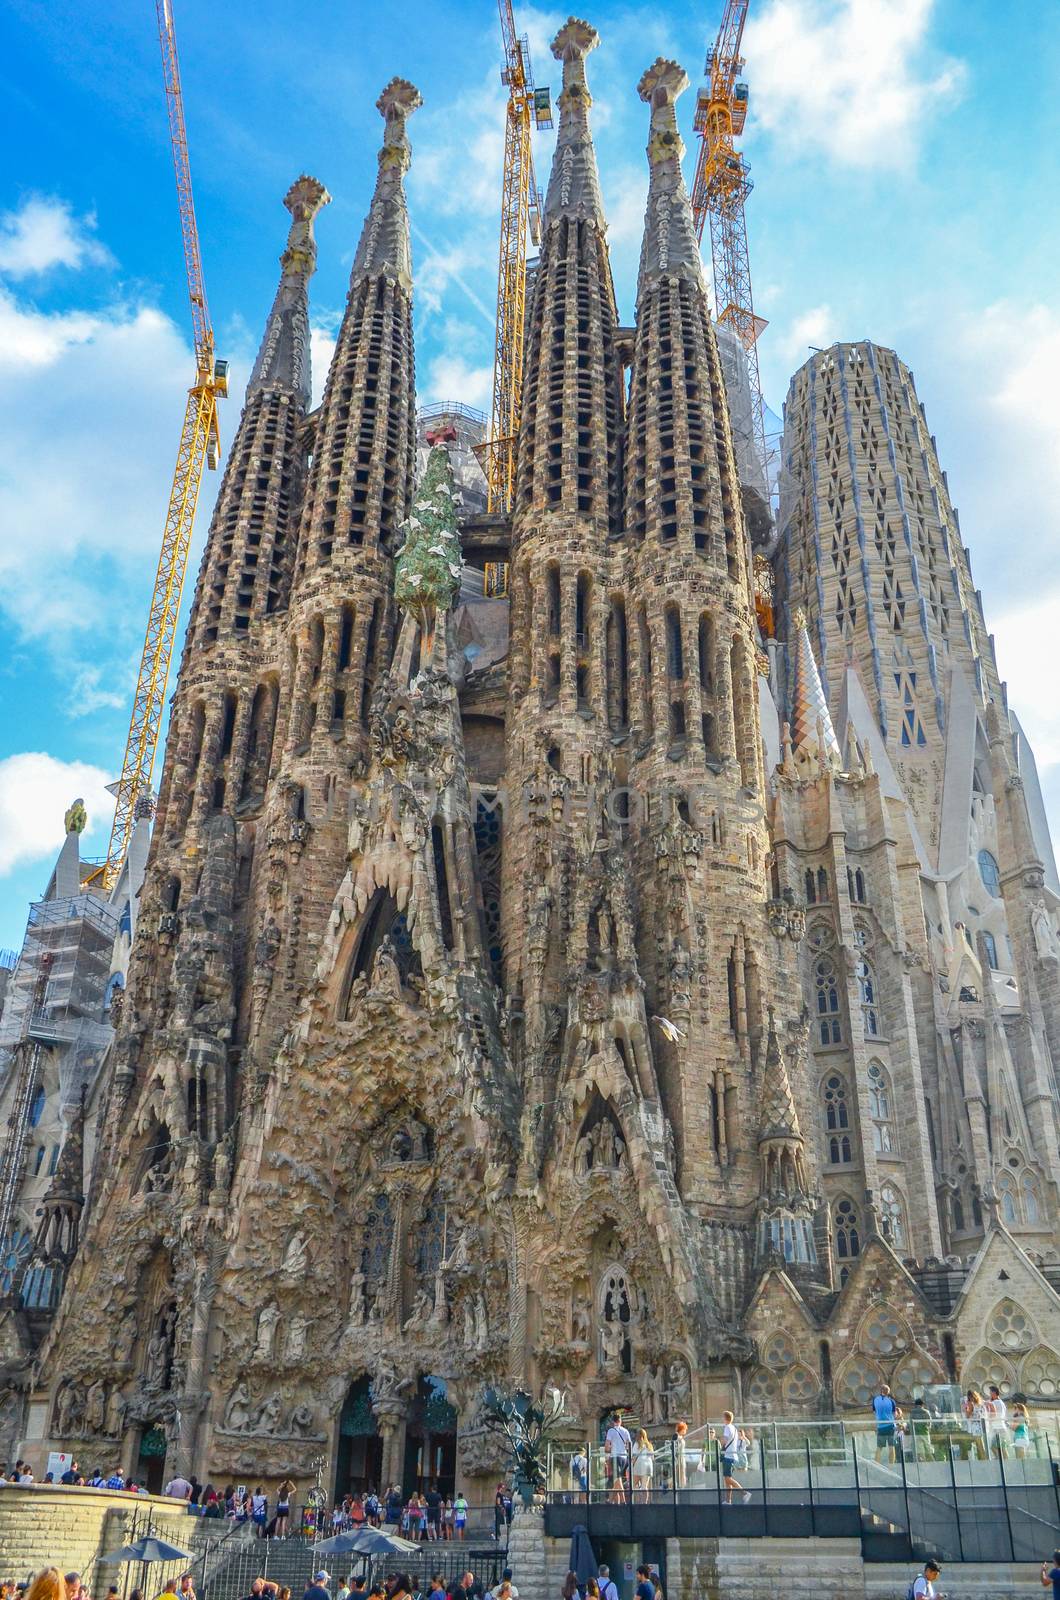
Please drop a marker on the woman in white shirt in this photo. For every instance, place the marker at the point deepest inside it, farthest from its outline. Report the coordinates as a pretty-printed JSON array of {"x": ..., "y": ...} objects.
[{"x": 643, "y": 1465}]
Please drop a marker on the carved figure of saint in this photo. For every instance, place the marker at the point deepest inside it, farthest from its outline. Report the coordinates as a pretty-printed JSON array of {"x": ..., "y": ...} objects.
[
  {"x": 612, "y": 1338},
  {"x": 647, "y": 1396},
  {"x": 301, "y": 1425},
  {"x": 357, "y": 1306},
  {"x": 482, "y": 1331},
  {"x": 114, "y": 1416},
  {"x": 296, "y": 1255},
  {"x": 421, "y": 1310},
  {"x": 294, "y": 1343},
  {"x": 268, "y": 1417},
  {"x": 581, "y": 1323},
  {"x": 268, "y": 1317},
  {"x": 679, "y": 1391},
  {"x": 237, "y": 1411},
  {"x": 95, "y": 1404},
  {"x": 386, "y": 974},
  {"x": 583, "y": 1155}
]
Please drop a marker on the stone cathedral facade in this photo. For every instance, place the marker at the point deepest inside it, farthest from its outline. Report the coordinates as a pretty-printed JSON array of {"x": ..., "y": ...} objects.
[{"x": 642, "y": 980}]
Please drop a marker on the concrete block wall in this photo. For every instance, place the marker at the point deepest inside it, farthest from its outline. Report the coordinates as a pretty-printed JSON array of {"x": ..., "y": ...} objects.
[{"x": 70, "y": 1528}]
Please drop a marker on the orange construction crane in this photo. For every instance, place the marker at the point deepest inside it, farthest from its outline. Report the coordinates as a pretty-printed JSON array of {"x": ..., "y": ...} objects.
[
  {"x": 520, "y": 213},
  {"x": 720, "y": 188},
  {"x": 199, "y": 445}
]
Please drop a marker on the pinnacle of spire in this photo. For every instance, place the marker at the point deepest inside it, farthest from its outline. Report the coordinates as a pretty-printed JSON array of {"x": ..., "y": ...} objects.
[
  {"x": 283, "y": 360},
  {"x": 778, "y": 1118},
  {"x": 812, "y": 734},
  {"x": 574, "y": 184},
  {"x": 669, "y": 248},
  {"x": 384, "y": 250},
  {"x": 427, "y": 568}
]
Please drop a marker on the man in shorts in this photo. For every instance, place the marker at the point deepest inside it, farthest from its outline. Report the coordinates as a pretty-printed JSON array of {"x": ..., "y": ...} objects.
[
  {"x": 618, "y": 1447},
  {"x": 886, "y": 1424}
]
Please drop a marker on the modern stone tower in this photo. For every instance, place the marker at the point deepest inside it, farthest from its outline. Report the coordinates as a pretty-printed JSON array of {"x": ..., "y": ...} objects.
[{"x": 578, "y": 985}]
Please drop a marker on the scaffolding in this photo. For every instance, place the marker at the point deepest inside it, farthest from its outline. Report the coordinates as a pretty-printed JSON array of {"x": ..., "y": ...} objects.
[{"x": 55, "y": 1006}]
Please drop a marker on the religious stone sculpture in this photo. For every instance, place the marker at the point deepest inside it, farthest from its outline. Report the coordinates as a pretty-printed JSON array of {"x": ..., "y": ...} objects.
[
  {"x": 268, "y": 1317},
  {"x": 237, "y": 1411}
]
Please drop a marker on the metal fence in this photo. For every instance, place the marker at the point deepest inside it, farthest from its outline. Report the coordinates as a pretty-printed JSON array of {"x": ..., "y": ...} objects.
[{"x": 923, "y": 1493}]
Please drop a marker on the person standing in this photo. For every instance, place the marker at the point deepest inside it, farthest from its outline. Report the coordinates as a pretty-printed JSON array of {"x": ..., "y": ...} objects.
[
  {"x": 187, "y": 1587},
  {"x": 884, "y": 1409},
  {"x": 1021, "y": 1429},
  {"x": 643, "y": 1466},
  {"x": 259, "y": 1510},
  {"x": 608, "y": 1586},
  {"x": 579, "y": 1471},
  {"x": 318, "y": 1589},
  {"x": 460, "y": 1514},
  {"x": 680, "y": 1455},
  {"x": 433, "y": 1505},
  {"x": 178, "y": 1487},
  {"x": 283, "y": 1507},
  {"x": 1051, "y": 1575},
  {"x": 618, "y": 1447},
  {"x": 645, "y": 1588},
  {"x": 996, "y": 1421}
]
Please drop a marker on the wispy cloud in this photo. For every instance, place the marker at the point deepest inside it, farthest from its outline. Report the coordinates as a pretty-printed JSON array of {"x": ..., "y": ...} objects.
[
  {"x": 44, "y": 233},
  {"x": 854, "y": 80},
  {"x": 35, "y": 790}
]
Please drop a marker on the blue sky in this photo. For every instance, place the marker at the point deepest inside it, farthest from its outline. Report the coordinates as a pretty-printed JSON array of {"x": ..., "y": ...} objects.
[{"x": 905, "y": 156}]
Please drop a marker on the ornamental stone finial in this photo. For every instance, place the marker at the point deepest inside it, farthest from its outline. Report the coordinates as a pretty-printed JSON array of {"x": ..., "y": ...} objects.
[
  {"x": 573, "y": 42},
  {"x": 660, "y": 87}
]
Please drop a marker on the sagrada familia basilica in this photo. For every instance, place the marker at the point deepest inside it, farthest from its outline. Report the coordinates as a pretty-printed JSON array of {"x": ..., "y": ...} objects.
[{"x": 603, "y": 948}]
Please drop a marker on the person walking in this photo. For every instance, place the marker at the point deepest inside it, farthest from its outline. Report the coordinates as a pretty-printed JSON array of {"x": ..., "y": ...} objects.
[
  {"x": 1021, "y": 1429},
  {"x": 259, "y": 1510},
  {"x": 923, "y": 1585},
  {"x": 318, "y": 1589},
  {"x": 570, "y": 1590},
  {"x": 618, "y": 1447},
  {"x": 608, "y": 1586},
  {"x": 643, "y": 1466},
  {"x": 730, "y": 1449}
]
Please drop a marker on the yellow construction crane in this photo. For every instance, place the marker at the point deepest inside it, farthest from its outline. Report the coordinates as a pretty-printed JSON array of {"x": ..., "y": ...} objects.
[
  {"x": 720, "y": 188},
  {"x": 199, "y": 444},
  {"x": 520, "y": 212}
]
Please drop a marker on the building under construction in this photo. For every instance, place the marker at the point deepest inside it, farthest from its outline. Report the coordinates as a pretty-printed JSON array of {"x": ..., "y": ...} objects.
[{"x": 574, "y": 949}]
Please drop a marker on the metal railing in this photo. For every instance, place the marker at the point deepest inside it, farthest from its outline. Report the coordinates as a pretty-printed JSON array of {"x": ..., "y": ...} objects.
[{"x": 926, "y": 1490}]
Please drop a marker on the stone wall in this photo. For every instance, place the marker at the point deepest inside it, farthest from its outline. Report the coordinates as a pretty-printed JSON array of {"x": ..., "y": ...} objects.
[
  {"x": 72, "y": 1528},
  {"x": 760, "y": 1569}
]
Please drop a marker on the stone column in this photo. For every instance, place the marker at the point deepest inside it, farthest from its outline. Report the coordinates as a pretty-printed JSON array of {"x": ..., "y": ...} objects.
[
  {"x": 526, "y": 1552},
  {"x": 391, "y": 1417}
]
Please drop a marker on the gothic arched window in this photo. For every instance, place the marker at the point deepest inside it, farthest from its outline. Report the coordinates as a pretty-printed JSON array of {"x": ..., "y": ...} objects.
[
  {"x": 36, "y": 1107},
  {"x": 829, "y": 1026},
  {"x": 892, "y": 1217},
  {"x": 1006, "y": 1194},
  {"x": 376, "y": 1242},
  {"x": 430, "y": 1238},
  {"x": 988, "y": 871},
  {"x": 1032, "y": 1211},
  {"x": 847, "y": 1231},
  {"x": 836, "y": 1114},
  {"x": 867, "y": 995},
  {"x": 811, "y": 887},
  {"x": 880, "y": 1109},
  {"x": 990, "y": 946},
  {"x": 14, "y": 1253}
]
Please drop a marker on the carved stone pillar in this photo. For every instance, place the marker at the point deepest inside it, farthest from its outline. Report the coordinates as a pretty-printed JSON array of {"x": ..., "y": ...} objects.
[{"x": 391, "y": 1418}]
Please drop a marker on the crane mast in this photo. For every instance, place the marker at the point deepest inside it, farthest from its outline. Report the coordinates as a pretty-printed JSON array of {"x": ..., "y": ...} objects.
[
  {"x": 719, "y": 191},
  {"x": 520, "y": 212},
  {"x": 199, "y": 446}
]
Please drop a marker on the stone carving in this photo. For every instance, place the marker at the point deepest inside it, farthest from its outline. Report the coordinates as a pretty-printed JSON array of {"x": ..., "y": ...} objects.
[
  {"x": 296, "y": 1255},
  {"x": 95, "y": 1407},
  {"x": 294, "y": 1343},
  {"x": 114, "y": 1417},
  {"x": 237, "y": 1411},
  {"x": 301, "y": 1424},
  {"x": 268, "y": 1317},
  {"x": 267, "y": 1417},
  {"x": 678, "y": 1390},
  {"x": 357, "y": 1305},
  {"x": 1044, "y": 933},
  {"x": 422, "y": 1308}
]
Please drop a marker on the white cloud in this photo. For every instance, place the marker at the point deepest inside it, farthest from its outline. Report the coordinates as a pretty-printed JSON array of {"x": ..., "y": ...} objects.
[
  {"x": 322, "y": 341},
  {"x": 451, "y": 377},
  {"x": 816, "y": 326},
  {"x": 92, "y": 405},
  {"x": 43, "y": 234},
  {"x": 855, "y": 80},
  {"x": 35, "y": 791},
  {"x": 987, "y": 377}
]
